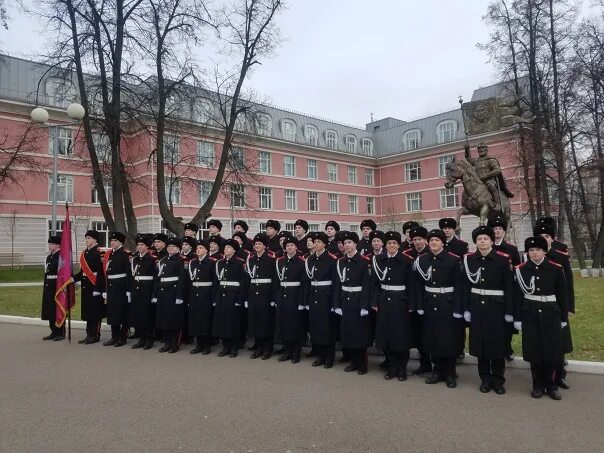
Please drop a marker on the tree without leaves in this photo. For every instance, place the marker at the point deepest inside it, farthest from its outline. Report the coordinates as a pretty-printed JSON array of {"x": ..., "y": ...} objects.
[{"x": 16, "y": 157}]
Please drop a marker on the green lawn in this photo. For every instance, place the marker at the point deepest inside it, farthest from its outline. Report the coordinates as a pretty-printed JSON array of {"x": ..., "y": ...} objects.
[
  {"x": 27, "y": 301},
  {"x": 27, "y": 274}
]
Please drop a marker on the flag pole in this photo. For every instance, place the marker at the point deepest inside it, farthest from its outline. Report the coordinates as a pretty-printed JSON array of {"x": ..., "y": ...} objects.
[{"x": 69, "y": 293}]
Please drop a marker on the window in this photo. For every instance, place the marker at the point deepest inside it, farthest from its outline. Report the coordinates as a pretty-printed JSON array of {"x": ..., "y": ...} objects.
[
  {"x": 442, "y": 165},
  {"x": 369, "y": 177},
  {"x": 290, "y": 199},
  {"x": 311, "y": 134},
  {"x": 61, "y": 141},
  {"x": 265, "y": 162},
  {"x": 449, "y": 198},
  {"x": 102, "y": 147},
  {"x": 334, "y": 203},
  {"x": 64, "y": 188},
  {"x": 236, "y": 161},
  {"x": 59, "y": 228},
  {"x": 289, "y": 227},
  {"x": 289, "y": 163},
  {"x": 313, "y": 227},
  {"x": 171, "y": 149},
  {"x": 266, "y": 198},
  {"x": 288, "y": 128},
  {"x": 351, "y": 144},
  {"x": 411, "y": 140},
  {"x": 237, "y": 196},
  {"x": 353, "y": 204},
  {"x": 313, "y": 201},
  {"x": 59, "y": 91},
  {"x": 413, "y": 172},
  {"x": 332, "y": 172},
  {"x": 370, "y": 205},
  {"x": 173, "y": 190},
  {"x": 205, "y": 187},
  {"x": 101, "y": 228},
  {"x": 331, "y": 138},
  {"x": 264, "y": 124},
  {"x": 202, "y": 111},
  {"x": 355, "y": 227},
  {"x": 446, "y": 131},
  {"x": 414, "y": 201},
  {"x": 108, "y": 192},
  {"x": 205, "y": 153},
  {"x": 352, "y": 174},
  {"x": 367, "y": 145},
  {"x": 312, "y": 169}
]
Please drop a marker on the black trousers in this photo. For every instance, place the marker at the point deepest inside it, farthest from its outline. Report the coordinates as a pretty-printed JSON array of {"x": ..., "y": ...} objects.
[
  {"x": 492, "y": 371},
  {"x": 203, "y": 341},
  {"x": 398, "y": 360},
  {"x": 544, "y": 377},
  {"x": 292, "y": 347},
  {"x": 172, "y": 338},
  {"x": 358, "y": 358},
  {"x": 93, "y": 328},
  {"x": 265, "y": 344},
  {"x": 560, "y": 372},
  {"x": 231, "y": 344},
  {"x": 509, "y": 334},
  {"x": 56, "y": 331},
  {"x": 119, "y": 331},
  {"x": 444, "y": 367},
  {"x": 326, "y": 352}
]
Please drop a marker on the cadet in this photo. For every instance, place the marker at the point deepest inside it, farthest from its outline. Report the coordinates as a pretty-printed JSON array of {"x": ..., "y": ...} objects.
[
  {"x": 214, "y": 228},
  {"x": 240, "y": 226},
  {"x": 51, "y": 267},
  {"x": 541, "y": 314},
  {"x": 489, "y": 307},
  {"x": 300, "y": 230},
  {"x": 439, "y": 300},
  {"x": 91, "y": 269},
  {"x": 452, "y": 243},
  {"x": 556, "y": 244},
  {"x": 214, "y": 244},
  {"x": 364, "y": 245},
  {"x": 187, "y": 253},
  {"x": 332, "y": 228},
  {"x": 408, "y": 242},
  {"x": 377, "y": 243},
  {"x": 272, "y": 230},
  {"x": 144, "y": 274},
  {"x": 159, "y": 244},
  {"x": 191, "y": 230}
]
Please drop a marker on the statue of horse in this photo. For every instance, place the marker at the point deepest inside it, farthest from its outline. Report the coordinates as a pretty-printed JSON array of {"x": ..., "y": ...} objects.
[{"x": 476, "y": 198}]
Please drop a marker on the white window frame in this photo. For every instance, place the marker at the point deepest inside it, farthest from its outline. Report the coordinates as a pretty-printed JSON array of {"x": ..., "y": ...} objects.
[
  {"x": 334, "y": 202},
  {"x": 60, "y": 92},
  {"x": 351, "y": 143},
  {"x": 442, "y": 164},
  {"x": 412, "y": 139},
  {"x": 108, "y": 191},
  {"x": 331, "y": 139},
  {"x": 204, "y": 187},
  {"x": 289, "y": 166},
  {"x": 311, "y": 168},
  {"x": 313, "y": 227},
  {"x": 237, "y": 158},
  {"x": 171, "y": 149},
  {"x": 289, "y": 196},
  {"x": 332, "y": 172},
  {"x": 352, "y": 174},
  {"x": 367, "y": 145},
  {"x": 313, "y": 201},
  {"x": 447, "y": 196},
  {"x": 237, "y": 192},
  {"x": 353, "y": 204},
  {"x": 311, "y": 134},
  {"x": 413, "y": 201},
  {"x": 206, "y": 154},
  {"x": 64, "y": 188},
  {"x": 370, "y": 205},
  {"x": 61, "y": 141},
  {"x": 100, "y": 226},
  {"x": 446, "y": 131},
  {"x": 172, "y": 188},
  {"x": 264, "y": 162},
  {"x": 413, "y": 172},
  {"x": 266, "y": 198},
  {"x": 369, "y": 177},
  {"x": 264, "y": 124},
  {"x": 289, "y": 129},
  {"x": 102, "y": 147}
]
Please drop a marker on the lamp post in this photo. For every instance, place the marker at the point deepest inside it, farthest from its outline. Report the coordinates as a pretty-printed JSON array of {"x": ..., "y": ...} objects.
[{"x": 40, "y": 116}]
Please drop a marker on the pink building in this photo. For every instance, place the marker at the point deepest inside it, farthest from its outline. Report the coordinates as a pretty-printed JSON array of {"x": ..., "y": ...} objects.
[{"x": 305, "y": 167}]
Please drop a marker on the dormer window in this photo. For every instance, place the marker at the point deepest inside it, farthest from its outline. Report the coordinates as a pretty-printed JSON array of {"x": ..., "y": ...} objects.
[
  {"x": 311, "y": 134},
  {"x": 264, "y": 124},
  {"x": 288, "y": 129},
  {"x": 446, "y": 131},
  {"x": 351, "y": 144},
  {"x": 411, "y": 140},
  {"x": 331, "y": 139},
  {"x": 367, "y": 145}
]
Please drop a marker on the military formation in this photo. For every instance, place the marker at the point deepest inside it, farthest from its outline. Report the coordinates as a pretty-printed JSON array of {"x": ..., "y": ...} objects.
[{"x": 421, "y": 290}]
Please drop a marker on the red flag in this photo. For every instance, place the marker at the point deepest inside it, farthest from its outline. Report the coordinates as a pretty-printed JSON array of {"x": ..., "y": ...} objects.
[{"x": 65, "y": 294}]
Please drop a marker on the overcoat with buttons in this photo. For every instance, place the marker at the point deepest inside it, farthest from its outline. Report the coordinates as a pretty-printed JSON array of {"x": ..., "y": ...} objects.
[
  {"x": 364, "y": 246},
  {"x": 393, "y": 329},
  {"x": 170, "y": 314},
  {"x": 230, "y": 297},
  {"x": 92, "y": 306},
  {"x": 51, "y": 267},
  {"x": 322, "y": 299},
  {"x": 354, "y": 272},
  {"x": 260, "y": 312},
  {"x": 290, "y": 320},
  {"x": 563, "y": 259},
  {"x": 441, "y": 330},
  {"x": 117, "y": 264},
  {"x": 417, "y": 320},
  {"x": 542, "y": 337},
  {"x": 492, "y": 272},
  {"x": 202, "y": 273},
  {"x": 456, "y": 246},
  {"x": 144, "y": 274}
]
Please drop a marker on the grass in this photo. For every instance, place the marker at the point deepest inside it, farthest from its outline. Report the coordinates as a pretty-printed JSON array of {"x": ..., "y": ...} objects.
[
  {"x": 27, "y": 274},
  {"x": 27, "y": 301}
]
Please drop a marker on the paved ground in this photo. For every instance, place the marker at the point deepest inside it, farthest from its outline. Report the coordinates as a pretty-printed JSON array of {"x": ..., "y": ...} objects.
[{"x": 69, "y": 397}]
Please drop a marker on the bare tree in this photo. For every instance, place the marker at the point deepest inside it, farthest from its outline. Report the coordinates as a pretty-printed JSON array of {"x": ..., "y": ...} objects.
[
  {"x": 16, "y": 158},
  {"x": 11, "y": 231}
]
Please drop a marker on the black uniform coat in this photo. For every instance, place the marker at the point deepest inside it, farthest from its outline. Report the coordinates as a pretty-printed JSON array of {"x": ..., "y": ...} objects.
[
  {"x": 321, "y": 299},
  {"x": 201, "y": 298},
  {"x": 92, "y": 306},
  {"x": 170, "y": 315},
  {"x": 290, "y": 320},
  {"x": 273, "y": 244},
  {"x": 488, "y": 325},
  {"x": 417, "y": 320},
  {"x": 441, "y": 331},
  {"x": 261, "y": 314},
  {"x": 332, "y": 247},
  {"x": 562, "y": 258},
  {"x": 229, "y": 300},
  {"x": 51, "y": 267},
  {"x": 302, "y": 244},
  {"x": 355, "y": 329},
  {"x": 457, "y": 246},
  {"x": 542, "y": 340},
  {"x": 364, "y": 246},
  {"x": 142, "y": 309},
  {"x": 393, "y": 329},
  {"x": 509, "y": 249},
  {"x": 117, "y": 263}
]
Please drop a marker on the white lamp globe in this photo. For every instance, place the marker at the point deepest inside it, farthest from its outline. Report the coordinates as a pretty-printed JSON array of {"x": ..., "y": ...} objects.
[
  {"x": 76, "y": 112},
  {"x": 39, "y": 115}
]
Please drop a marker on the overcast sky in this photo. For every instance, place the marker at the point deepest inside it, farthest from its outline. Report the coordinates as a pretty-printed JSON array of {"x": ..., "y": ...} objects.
[{"x": 345, "y": 59}]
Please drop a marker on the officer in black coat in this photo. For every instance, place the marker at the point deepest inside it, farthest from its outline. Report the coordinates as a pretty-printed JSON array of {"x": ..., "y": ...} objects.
[
  {"x": 91, "y": 268},
  {"x": 191, "y": 230},
  {"x": 214, "y": 244},
  {"x": 116, "y": 289},
  {"x": 541, "y": 314},
  {"x": 215, "y": 228},
  {"x": 187, "y": 253},
  {"x": 439, "y": 299},
  {"x": 331, "y": 229},
  {"x": 489, "y": 307},
  {"x": 159, "y": 244},
  {"x": 300, "y": 233},
  {"x": 393, "y": 285},
  {"x": 51, "y": 267},
  {"x": 231, "y": 294},
  {"x": 377, "y": 243},
  {"x": 364, "y": 244},
  {"x": 556, "y": 244},
  {"x": 142, "y": 308},
  {"x": 203, "y": 286},
  {"x": 272, "y": 230},
  {"x": 241, "y": 226},
  {"x": 407, "y": 243}
]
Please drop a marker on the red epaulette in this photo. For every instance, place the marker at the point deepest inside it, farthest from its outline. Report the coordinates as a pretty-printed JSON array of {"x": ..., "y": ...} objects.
[
  {"x": 467, "y": 254},
  {"x": 451, "y": 253},
  {"x": 340, "y": 258},
  {"x": 301, "y": 257},
  {"x": 406, "y": 253},
  {"x": 555, "y": 264},
  {"x": 271, "y": 254},
  {"x": 240, "y": 259},
  {"x": 521, "y": 264},
  {"x": 212, "y": 258},
  {"x": 503, "y": 254},
  {"x": 335, "y": 257},
  {"x": 366, "y": 257},
  {"x": 280, "y": 258},
  {"x": 562, "y": 251}
]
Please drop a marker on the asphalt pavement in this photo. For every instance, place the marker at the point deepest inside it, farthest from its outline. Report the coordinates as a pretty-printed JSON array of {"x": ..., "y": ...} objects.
[{"x": 56, "y": 396}]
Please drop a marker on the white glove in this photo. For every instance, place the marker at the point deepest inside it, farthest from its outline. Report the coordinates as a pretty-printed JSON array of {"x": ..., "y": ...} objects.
[
  {"x": 420, "y": 312},
  {"x": 129, "y": 296},
  {"x": 104, "y": 295},
  {"x": 517, "y": 325},
  {"x": 564, "y": 324},
  {"x": 96, "y": 293},
  {"x": 301, "y": 307},
  {"x": 467, "y": 316},
  {"x": 273, "y": 304},
  {"x": 457, "y": 316},
  {"x": 364, "y": 312},
  {"x": 179, "y": 301},
  {"x": 244, "y": 304},
  {"x": 154, "y": 300},
  {"x": 509, "y": 318},
  {"x": 338, "y": 311},
  {"x": 214, "y": 304},
  {"x": 239, "y": 305},
  {"x": 307, "y": 307}
]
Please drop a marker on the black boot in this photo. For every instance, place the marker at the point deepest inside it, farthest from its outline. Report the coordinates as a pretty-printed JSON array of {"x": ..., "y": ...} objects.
[
  {"x": 110, "y": 342},
  {"x": 139, "y": 344},
  {"x": 148, "y": 344},
  {"x": 84, "y": 340}
]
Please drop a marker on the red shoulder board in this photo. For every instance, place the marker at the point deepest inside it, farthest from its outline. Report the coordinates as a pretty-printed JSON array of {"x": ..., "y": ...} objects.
[
  {"x": 340, "y": 258},
  {"x": 280, "y": 258},
  {"x": 521, "y": 264},
  {"x": 456, "y": 256},
  {"x": 503, "y": 254},
  {"x": 406, "y": 253},
  {"x": 271, "y": 253},
  {"x": 365, "y": 257},
  {"x": 468, "y": 254},
  {"x": 555, "y": 264},
  {"x": 335, "y": 257},
  {"x": 301, "y": 258},
  {"x": 240, "y": 259},
  {"x": 212, "y": 258},
  {"x": 562, "y": 251}
]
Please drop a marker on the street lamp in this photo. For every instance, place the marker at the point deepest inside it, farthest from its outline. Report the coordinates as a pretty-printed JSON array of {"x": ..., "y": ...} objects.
[{"x": 40, "y": 116}]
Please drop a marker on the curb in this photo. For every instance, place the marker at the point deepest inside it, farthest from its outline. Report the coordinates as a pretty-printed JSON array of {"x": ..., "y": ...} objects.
[
  {"x": 575, "y": 366},
  {"x": 20, "y": 284}
]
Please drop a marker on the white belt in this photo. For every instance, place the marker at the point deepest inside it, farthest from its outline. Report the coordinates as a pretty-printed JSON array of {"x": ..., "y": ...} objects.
[
  {"x": 540, "y": 298},
  {"x": 261, "y": 280},
  {"x": 140, "y": 278},
  {"x": 394, "y": 287},
  {"x": 487, "y": 292},
  {"x": 168, "y": 279},
  {"x": 352, "y": 289},
  {"x": 441, "y": 290},
  {"x": 286, "y": 284},
  {"x": 51, "y": 277},
  {"x": 114, "y": 276},
  {"x": 197, "y": 284},
  {"x": 321, "y": 283},
  {"x": 225, "y": 283}
]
